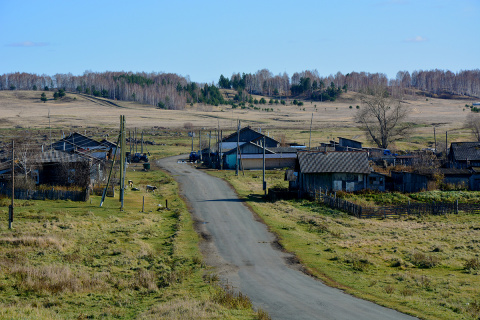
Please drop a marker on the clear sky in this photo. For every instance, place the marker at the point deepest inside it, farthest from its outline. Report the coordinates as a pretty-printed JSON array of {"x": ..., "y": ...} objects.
[{"x": 203, "y": 39}]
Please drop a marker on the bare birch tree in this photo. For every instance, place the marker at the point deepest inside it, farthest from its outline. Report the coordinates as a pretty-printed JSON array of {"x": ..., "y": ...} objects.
[
  {"x": 473, "y": 124},
  {"x": 382, "y": 117}
]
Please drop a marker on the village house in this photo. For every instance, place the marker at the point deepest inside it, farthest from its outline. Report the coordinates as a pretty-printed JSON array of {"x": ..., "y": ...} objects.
[
  {"x": 251, "y": 148},
  {"x": 464, "y": 155},
  {"x": 79, "y": 143},
  {"x": 333, "y": 171},
  {"x": 58, "y": 168}
]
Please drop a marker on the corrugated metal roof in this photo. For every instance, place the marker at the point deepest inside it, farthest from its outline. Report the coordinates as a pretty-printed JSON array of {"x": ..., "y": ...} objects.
[
  {"x": 54, "y": 156},
  {"x": 333, "y": 162},
  {"x": 284, "y": 150},
  {"x": 466, "y": 151}
]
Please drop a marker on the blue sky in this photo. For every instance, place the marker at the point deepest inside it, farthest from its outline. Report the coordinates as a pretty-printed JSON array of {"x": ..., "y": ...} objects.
[{"x": 203, "y": 39}]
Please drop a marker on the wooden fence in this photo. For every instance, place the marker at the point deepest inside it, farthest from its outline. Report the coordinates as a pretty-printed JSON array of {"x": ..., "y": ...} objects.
[
  {"x": 47, "y": 194},
  {"x": 434, "y": 208}
]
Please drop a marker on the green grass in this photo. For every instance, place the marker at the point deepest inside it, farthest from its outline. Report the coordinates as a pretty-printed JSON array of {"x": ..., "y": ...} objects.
[
  {"x": 372, "y": 198},
  {"x": 425, "y": 266},
  {"x": 65, "y": 260}
]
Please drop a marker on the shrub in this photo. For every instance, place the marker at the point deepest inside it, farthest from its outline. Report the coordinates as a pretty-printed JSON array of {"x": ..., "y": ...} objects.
[
  {"x": 358, "y": 263},
  {"x": 406, "y": 292},
  {"x": 421, "y": 260},
  {"x": 472, "y": 264},
  {"x": 389, "y": 289},
  {"x": 231, "y": 299}
]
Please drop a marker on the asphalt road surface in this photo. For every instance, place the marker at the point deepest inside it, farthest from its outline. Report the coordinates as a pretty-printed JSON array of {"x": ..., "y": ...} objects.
[{"x": 247, "y": 258}]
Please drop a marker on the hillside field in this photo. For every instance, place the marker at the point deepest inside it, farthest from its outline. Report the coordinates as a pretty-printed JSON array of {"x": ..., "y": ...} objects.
[{"x": 23, "y": 109}]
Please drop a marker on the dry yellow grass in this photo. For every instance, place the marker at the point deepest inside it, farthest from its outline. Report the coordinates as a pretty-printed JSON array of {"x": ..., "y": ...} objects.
[{"x": 24, "y": 109}]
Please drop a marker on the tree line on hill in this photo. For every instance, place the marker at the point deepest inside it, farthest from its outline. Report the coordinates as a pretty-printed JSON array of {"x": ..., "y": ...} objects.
[{"x": 172, "y": 91}]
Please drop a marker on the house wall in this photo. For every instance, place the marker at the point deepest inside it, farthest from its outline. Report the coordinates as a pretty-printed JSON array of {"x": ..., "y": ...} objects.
[
  {"x": 376, "y": 181},
  {"x": 457, "y": 180},
  {"x": 350, "y": 143},
  {"x": 474, "y": 182},
  {"x": 409, "y": 182},
  {"x": 270, "y": 163},
  {"x": 332, "y": 181},
  {"x": 64, "y": 174}
]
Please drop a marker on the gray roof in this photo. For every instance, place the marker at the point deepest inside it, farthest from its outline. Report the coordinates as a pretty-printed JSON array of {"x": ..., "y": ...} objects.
[
  {"x": 463, "y": 151},
  {"x": 284, "y": 150},
  {"x": 54, "y": 156},
  {"x": 333, "y": 162}
]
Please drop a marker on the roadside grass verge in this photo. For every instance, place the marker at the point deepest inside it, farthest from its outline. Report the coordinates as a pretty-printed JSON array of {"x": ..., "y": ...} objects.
[
  {"x": 425, "y": 266},
  {"x": 65, "y": 260}
]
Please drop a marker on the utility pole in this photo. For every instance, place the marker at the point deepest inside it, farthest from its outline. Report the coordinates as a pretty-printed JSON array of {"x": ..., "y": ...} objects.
[
  {"x": 238, "y": 147},
  {"x": 110, "y": 174},
  {"x": 122, "y": 161},
  {"x": 50, "y": 129},
  {"x": 209, "y": 141},
  {"x": 435, "y": 138},
  {"x": 221, "y": 157},
  {"x": 200, "y": 144},
  {"x": 310, "y": 139},
  {"x": 141, "y": 149},
  {"x": 446, "y": 147},
  {"x": 264, "y": 182},
  {"x": 192, "y": 133},
  {"x": 10, "y": 211},
  {"x": 130, "y": 140},
  {"x": 135, "y": 138}
]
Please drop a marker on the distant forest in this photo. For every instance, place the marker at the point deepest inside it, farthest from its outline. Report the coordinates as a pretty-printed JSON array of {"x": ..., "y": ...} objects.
[{"x": 171, "y": 91}]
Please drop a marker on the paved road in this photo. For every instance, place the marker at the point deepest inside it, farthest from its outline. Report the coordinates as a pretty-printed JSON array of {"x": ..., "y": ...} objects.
[{"x": 245, "y": 255}]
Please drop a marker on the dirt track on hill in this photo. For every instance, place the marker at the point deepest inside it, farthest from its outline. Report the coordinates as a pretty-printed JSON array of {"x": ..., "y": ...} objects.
[{"x": 247, "y": 257}]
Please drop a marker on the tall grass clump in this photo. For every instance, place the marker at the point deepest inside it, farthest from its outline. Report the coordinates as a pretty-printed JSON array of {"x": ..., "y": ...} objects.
[
  {"x": 422, "y": 260},
  {"x": 231, "y": 299}
]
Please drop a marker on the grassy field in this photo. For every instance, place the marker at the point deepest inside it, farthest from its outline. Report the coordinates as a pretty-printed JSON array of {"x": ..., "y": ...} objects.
[
  {"x": 426, "y": 266},
  {"x": 65, "y": 260},
  {"x": 24, "y": 110}
]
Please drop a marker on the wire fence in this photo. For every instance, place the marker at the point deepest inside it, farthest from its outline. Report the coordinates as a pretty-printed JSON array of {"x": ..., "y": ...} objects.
[
  {"x": 397, "y": 211},
  {"x": 23, "y": 194}
]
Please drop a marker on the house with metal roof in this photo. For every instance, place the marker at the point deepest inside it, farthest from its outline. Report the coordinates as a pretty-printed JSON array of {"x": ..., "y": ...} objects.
[
  {"x": 464, "y": 155},
  {"x": 79, "y": 143},
  {"x": 60, "y": 168},
  {"x": 251, "y": 146},
  {"x": 251, "y": 157},
  {"x": 247, "y": 134},
  {"x": 334, "y": 171}
]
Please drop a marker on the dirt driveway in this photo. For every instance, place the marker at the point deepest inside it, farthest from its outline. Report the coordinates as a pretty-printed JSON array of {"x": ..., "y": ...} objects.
[{"x": 246, "y": 257}]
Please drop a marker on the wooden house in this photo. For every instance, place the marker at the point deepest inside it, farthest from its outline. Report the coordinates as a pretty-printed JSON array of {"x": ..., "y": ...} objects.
[
  {"x": 347, "y": 171},
  {"x": 79, "y": 143},
  {"x": 409, "y": 181},
  {"x": 247, "y": 134},
  {"x": 464, "y": 155},
  {"x": 251, "y": 157},
  {"x": 251, "y": 147},
  {"x": 60, "y": 168}
]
